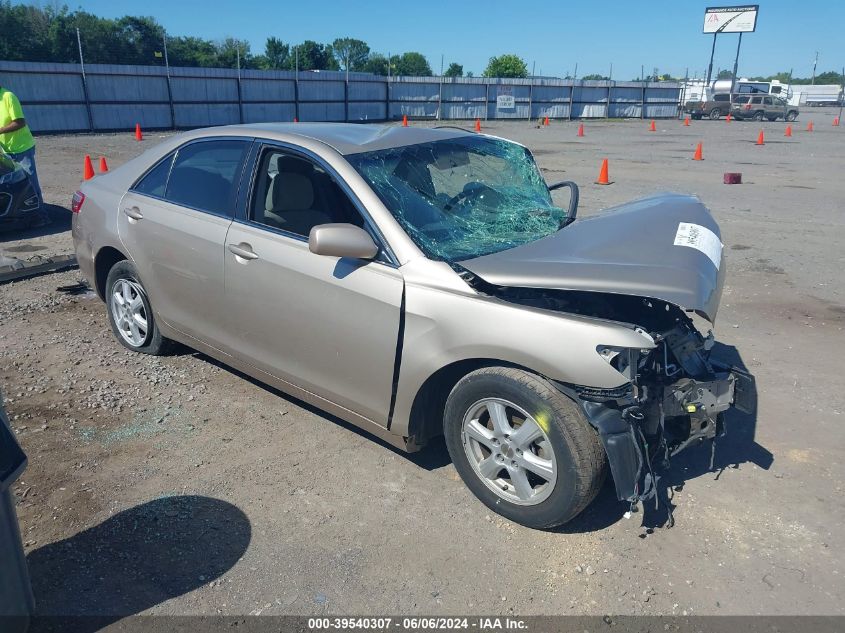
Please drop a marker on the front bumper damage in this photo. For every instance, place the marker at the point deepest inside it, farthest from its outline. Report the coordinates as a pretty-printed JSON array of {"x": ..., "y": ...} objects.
[{"x": 677, "y": 398}]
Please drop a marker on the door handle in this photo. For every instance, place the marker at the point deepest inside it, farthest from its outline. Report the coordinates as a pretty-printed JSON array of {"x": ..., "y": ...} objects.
[
  {"x": 243, "y": 250},
  {"x": 134, "y": 213}
]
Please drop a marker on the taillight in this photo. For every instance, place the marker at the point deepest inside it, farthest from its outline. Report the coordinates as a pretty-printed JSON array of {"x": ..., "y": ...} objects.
[
  {"x": 77, "y": 202},
  {"x": 747, "y": 106}
]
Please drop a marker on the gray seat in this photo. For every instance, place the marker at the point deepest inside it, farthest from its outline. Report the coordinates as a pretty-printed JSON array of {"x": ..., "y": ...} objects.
[{"x": 291, "y": 203}]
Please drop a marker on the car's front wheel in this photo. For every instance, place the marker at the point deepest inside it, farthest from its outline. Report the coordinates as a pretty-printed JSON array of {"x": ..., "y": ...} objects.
[
  {"x": 715, "y": 114},
  {"x": 130, "y": 314},
  {"x": 791, "y": 116},
  {"x": 758, "y": 116},
  {"x": 522, "y": 447}
]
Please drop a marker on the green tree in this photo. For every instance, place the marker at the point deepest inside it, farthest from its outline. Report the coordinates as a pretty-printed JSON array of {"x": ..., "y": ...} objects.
[
  {"x": 355, "y": 51},
  {"x": 454, "y": 70},
  {"x": 143, "y": 37},
  {"x": 191, "y": 51},
  {"x": 411, "y": 64},
  {"x": 829, "y": 77},
  {"x": 229, "y": 50},
  {"x": 276, "y": 55},
  {"x": 313, "y": 56},
  {"x": 506, "y": 66},
  {"x": 725, "y": 74},
  {"x": 377, "y": 64},
  {"x": 595, "y": 77}
]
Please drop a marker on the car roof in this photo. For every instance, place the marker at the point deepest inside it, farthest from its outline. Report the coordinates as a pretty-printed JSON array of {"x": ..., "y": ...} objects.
[{"x": 346, "y": 138}]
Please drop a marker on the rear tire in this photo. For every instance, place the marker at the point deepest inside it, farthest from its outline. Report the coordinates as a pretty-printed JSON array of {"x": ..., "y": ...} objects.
[
  {"x": 539, "y": 483},
  {"x": 130, "y": 313},
  {"x": 791, "y": 116},
  {"x": 715, "y": 114},
  {"x": 758, "y": 116}
]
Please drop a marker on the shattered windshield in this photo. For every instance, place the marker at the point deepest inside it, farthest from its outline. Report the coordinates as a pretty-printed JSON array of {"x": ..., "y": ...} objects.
[{"x": 463, "y": 197}]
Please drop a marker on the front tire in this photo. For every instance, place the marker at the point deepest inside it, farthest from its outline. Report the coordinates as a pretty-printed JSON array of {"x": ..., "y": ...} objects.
[
  {"x": 758, "y": 116},
  {"x": 791, "y": 116},
  {"x": 522, "y": 447},
  {"x": 130, "y": 314},
  {"x": 715, "y": 114}
]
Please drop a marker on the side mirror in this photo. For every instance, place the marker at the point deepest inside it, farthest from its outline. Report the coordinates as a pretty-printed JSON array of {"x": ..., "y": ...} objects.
[
  {"x": 341, "y": 240},
  {"x": 573, "y": 200}
]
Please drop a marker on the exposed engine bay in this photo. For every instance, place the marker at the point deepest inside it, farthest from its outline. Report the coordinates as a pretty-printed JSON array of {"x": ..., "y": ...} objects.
[{"x": 676, "y": 394}]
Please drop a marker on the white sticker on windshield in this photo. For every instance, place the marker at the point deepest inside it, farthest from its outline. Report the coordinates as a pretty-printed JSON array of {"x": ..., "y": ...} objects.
[{"x": 700, "y": 238}]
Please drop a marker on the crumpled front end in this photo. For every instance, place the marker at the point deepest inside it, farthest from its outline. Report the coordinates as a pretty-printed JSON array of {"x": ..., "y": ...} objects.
[
  {"x": 670, "y": 397},
  {"x": 676, "y": 397}
]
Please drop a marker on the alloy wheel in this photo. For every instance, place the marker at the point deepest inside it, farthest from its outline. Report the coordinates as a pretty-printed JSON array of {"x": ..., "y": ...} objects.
[
  {"x": 509, "y": 451},
  {"x": 129, "y": 312}
]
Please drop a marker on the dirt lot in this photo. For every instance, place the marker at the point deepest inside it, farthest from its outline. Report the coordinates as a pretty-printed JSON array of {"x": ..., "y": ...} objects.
[{"x": 174, "y": 485}]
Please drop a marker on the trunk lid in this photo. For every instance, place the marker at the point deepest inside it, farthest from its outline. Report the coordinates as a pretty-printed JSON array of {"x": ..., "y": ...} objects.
[{"x": 665, "y": 247}]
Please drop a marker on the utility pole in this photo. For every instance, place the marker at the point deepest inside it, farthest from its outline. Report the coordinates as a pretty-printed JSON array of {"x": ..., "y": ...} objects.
[
  {"x": 84, "y": 82},
  {"x": 169, "y": 84},
  {"x": 815, "y": 63}
]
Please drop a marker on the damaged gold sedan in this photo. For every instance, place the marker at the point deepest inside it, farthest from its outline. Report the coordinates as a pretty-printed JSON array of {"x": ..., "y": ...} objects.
[{"x": 422, "y": 282}]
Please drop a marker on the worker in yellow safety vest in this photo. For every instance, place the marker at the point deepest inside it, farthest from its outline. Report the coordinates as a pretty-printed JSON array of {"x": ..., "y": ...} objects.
[{"x": 16, "y": 140}]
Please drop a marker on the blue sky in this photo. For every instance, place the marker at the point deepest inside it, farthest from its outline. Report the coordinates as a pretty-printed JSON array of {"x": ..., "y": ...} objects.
[{"x": 554, "y": 34}]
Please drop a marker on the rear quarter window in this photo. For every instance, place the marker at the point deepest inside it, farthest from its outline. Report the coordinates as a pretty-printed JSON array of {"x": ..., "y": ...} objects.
[
  {"x": 720, "y": 98},
  {"x": 154, "y": 181}
]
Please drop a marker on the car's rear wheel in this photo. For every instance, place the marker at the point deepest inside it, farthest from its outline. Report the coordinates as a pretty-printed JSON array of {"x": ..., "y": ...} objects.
[
  {"x": 791, "y": 116},
  {"x": 715, "y": 114},
  {"x": 522, "y": 447},
  {"x": 758, "y": 116},
  {"x": 130, "y": 314}
]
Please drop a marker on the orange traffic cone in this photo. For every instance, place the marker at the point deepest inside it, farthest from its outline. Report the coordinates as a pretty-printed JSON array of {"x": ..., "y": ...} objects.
[
  {"x": 296, "y": 119},
  {"x": 404, "y": 120},
  {"x": 87, "y": 168},
  {"x": 760, "y": 139},
  {"x": 686, "y": 122},
  {"x": 652, "y": 127},
  {"x": 810, "y": 126},
  {"x": 788, "y": 131},
  {"x": 603, "y": 174},
  {"x": 478, "y": 125},
  {"x": 836, "y": 121},
  {"x": 581, "y": 130},
  {"x": 138, "y": 135},
  {"x": 728, "y": 118},
  {"x": 104, "y": 166},
  {"x": 546, "y": 121},
  {"x": 699, "y": 152}
]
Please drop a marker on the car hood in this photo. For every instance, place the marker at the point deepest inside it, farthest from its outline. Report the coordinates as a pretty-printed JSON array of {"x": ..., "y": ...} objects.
[{"x": 666, "y": 247}]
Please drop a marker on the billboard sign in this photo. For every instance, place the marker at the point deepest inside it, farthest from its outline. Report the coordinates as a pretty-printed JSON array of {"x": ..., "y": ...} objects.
[
  {"x": 731, "y": 19},
  {"x": 505, "y": 99}
]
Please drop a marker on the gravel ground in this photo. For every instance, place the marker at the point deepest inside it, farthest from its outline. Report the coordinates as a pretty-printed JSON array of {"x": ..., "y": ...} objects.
[{"x": 174, "y": 485}]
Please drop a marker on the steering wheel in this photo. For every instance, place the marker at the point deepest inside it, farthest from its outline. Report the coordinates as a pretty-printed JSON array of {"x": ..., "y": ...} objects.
[{"x": 471, "y": 190}]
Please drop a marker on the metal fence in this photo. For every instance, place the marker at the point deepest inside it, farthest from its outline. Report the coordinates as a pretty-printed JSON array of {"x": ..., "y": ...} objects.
[{"x": 102, "y": 97}]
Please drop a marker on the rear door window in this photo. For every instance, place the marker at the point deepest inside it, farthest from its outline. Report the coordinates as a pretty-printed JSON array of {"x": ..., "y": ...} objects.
[
  {"x": 767, "y": 100},
  {"x": 757, "y": 100},
  {"x": 205, "y": 175},
  {"x": 720, "y": 97}
]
